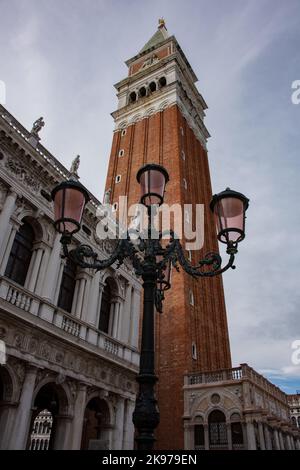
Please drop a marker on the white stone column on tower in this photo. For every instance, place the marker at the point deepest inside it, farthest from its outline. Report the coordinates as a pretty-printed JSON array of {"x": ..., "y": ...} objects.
[
  {"x": 52, "y": 271},
  {"x": 5, "y": 215},
  {"x": 119, "y": 425},
  {"x": 21, "y": 426},
  {"x": 128, "y": 442},
  {"x": 77, "y": 423}
]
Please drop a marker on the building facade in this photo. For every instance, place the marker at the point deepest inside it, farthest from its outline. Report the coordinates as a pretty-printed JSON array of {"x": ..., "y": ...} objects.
[
  {"x": 294, "y": 404},
  {"x": 70, "y": 335},
  {"x": 160, "y": 120},
  {"x": 236, "y": 409}
]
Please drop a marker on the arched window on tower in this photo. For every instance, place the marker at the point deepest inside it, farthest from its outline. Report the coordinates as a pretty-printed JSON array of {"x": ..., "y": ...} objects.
[
  {"x": 67, "y": 286},
  {"x": 142, "y": 92},
  {"x": 132, "y": 97},
  {"x": 20, "y": 255},
  {"x": 152, "y": 87},
  {"x": 162, "y": 82}
]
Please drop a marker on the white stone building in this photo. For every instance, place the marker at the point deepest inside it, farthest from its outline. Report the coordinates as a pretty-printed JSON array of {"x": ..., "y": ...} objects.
[
  {"x": 70, "y": 335},
  {"x": 236, "y": 409}
]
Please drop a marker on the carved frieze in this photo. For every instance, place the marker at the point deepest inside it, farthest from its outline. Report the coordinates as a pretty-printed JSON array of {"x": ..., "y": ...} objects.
[{"x": 22, "y": 174}]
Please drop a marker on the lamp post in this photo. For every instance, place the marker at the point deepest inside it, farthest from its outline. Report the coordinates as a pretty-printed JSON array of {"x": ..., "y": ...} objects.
[{"x": 154, "y": 266}]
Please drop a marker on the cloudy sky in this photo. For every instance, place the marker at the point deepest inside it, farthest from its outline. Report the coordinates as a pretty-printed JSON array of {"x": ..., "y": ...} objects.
[{"x": 59, "y": 59}]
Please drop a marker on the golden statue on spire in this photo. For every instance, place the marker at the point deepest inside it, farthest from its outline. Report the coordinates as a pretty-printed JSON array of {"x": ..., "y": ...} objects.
[{"x": 161, "y": 23}]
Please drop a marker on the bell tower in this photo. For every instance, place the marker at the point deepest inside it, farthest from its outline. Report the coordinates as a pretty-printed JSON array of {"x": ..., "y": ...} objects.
[{"x": 160, "y": 119}]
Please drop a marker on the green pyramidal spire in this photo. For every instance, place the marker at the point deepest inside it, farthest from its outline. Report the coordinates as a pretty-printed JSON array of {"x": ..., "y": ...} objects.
[{"x": 160, "y": 35}]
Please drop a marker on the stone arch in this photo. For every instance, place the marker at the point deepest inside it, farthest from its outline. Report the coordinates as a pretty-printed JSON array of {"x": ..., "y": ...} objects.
[
  {"x": 53, "y": 399},
  {"x": 63, "y": 392},
  {"x": 164, "y": 105},
  {"x": 149, "y": 112},
  {"x": 135, "y": 118},
  {"x": 98, "y": 422},
  {"x": 10, "y": 384}
]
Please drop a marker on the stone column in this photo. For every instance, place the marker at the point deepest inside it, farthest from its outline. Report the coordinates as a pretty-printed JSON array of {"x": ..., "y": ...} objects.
[
  {"x": 111, "y": 319},
  {"x": 120, "y": 319},
  {"x": 281, "y": 440},
  {"x": 126, "y": 316},
  {"x": 128, "y": 440},
  {"x": 288, "y": 442},
  {"x": 80, "y": 297},
  {"x": 261, "y": 436},
  {"x": 119, "y": 426},
  {"x": 43, "y": 270},
  {"x": 8, "y": 248},
  {"x": 53, "y": 267},
  {"x": 268, "y": 438},
  {"x": 250, "y": 436},
  {"x": 116, "y": 319},
  {"x": 5, "y": 215},
  {"x": 229, "y": 436},
  {"x": 77, "y": 423},
  {"x": 32, "y": 278},
  {"x": 92, "y": 308},
  {"x": 21, "y": 426},
  {"x": 8, "y": 413},
  {"x": 206, "y": 437},
  {"x": 58, "y": 281},
  {"x": 62, "y": 433},
  {"x": 276, "y": 439},
  {"x": 86, "y": 296}
]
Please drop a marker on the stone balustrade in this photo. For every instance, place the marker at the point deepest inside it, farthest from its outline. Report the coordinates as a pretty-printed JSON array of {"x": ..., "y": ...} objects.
[{"x": 26, "y": 301}]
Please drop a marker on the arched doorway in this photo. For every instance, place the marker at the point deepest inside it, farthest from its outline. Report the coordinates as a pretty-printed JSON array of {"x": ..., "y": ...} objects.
[
  {"x": 217, "y": 430},
  {"x": 49, "y": 404},
  {"x": 96, "y": 427}
]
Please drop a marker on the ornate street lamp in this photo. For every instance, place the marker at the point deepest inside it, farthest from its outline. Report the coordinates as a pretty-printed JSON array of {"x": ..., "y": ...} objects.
[{"x": 153, "y": 263}]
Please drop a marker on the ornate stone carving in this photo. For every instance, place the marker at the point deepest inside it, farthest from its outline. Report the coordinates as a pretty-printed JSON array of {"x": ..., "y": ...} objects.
[
  {"x": 45, "y": 351},
  {"x": 20, "y": 172},
  {"x": 33, "y": 345},
  {"x": 19, "y": 340}
]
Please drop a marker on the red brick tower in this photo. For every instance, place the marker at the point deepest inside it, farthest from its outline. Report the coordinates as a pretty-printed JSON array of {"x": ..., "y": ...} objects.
[{"x": 160, "y": 120}]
